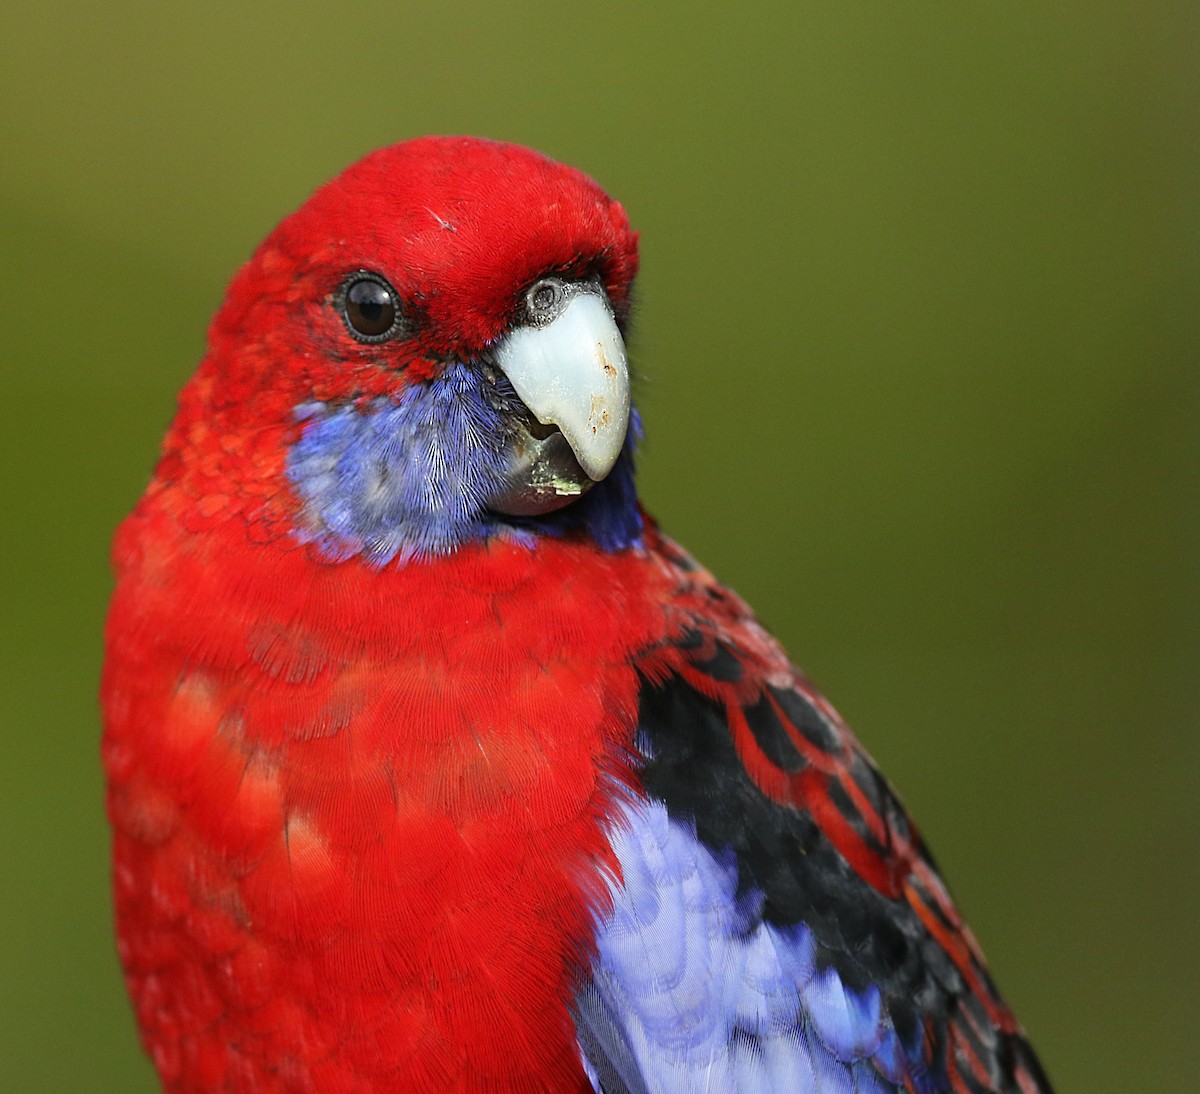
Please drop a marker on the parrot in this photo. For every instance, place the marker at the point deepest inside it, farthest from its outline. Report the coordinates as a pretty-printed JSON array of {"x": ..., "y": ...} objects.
[{"x": 432, "y": 763}]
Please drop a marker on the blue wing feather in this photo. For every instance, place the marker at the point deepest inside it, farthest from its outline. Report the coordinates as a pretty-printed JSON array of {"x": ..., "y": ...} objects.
[{"x": 692, "y": 989}]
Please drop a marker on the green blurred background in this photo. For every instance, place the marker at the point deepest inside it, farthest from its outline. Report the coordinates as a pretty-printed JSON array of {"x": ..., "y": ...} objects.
[{"x": 918, "y": 336}]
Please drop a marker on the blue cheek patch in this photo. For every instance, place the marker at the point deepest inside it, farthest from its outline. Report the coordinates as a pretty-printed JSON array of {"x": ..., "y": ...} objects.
[
  {"x": 398, "y": 479},
  {"x": 693, "y": 990}
]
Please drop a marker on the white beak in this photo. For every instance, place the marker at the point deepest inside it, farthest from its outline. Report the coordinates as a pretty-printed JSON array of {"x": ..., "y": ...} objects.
[{"x": 573, "y": 373}]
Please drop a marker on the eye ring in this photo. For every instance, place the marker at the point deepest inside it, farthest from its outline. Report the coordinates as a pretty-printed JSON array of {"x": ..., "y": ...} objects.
[
  {"x": 545, "y": 299},
  {"x": 370, "y": 307}
]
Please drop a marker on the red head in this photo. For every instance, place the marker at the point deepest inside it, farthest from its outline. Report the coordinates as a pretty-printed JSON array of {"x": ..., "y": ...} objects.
[
  {"x": 459, "y": 226},
  {"x": 420, "y": 274}
]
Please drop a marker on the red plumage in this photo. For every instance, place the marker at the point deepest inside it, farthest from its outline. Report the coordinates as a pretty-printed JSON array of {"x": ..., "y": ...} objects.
[
  {"x": 348, "y": 822},
  {"x": 359, "y": 810}
]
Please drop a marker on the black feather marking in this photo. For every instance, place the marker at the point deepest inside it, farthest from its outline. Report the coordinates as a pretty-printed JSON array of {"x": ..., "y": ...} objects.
[
  {"x": 723, "y": 665},
  {"x": 603, "y": 1044},
  {"x": 807, "y": 719},
  {"x": 772, "y": 738}
]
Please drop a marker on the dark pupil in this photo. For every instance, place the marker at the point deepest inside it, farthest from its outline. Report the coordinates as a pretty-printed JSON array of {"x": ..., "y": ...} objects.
[
  {"x": 543, "y": 297},
  {"x": 369, "y": 308}
]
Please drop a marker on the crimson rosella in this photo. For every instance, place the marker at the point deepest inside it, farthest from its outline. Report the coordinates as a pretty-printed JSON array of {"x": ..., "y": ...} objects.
[{"x": 433, "y": 765}]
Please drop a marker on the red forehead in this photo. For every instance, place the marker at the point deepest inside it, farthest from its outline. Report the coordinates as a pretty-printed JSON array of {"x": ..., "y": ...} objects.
[{"x": 459, "y": 225}]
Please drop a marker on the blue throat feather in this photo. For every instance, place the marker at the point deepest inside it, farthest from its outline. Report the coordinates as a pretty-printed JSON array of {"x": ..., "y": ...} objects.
[{"x": 411, "y": 477}]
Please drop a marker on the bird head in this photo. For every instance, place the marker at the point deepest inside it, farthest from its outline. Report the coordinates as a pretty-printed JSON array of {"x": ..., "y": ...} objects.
[{"x": 430, "y": 351}]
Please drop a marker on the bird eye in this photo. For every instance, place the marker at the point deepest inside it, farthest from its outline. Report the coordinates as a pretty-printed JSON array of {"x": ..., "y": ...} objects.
[
  {"x": 370, "y": 308},
  {"x": 545, "y": 299}
]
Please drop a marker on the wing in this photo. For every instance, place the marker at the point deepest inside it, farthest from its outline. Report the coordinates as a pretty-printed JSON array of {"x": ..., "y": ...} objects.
[{"x": 779, "y": 924}]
